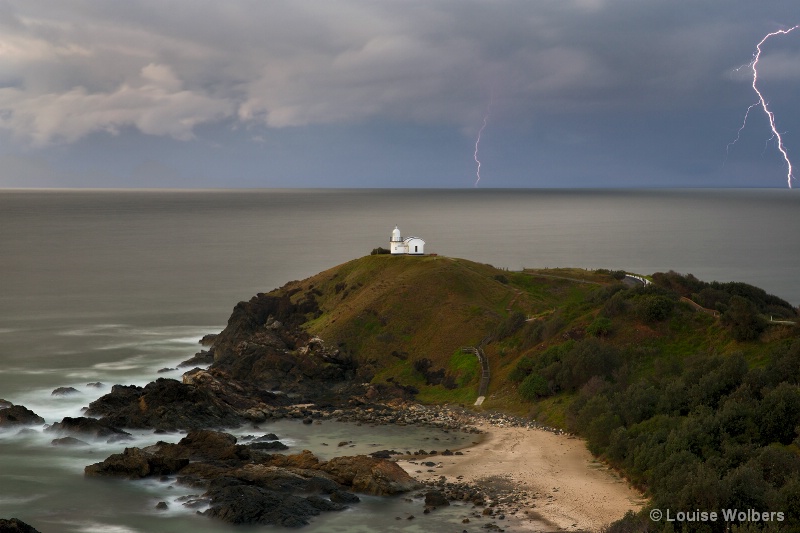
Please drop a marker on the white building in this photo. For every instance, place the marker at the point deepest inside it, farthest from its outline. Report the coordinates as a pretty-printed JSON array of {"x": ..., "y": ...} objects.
[{"x": 408, "y": 245}]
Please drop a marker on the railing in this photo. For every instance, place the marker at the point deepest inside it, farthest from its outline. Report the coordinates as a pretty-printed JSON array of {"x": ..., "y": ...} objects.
[
  {"x": 642, "y": 280},
  {"x": 483, "y": 387}
]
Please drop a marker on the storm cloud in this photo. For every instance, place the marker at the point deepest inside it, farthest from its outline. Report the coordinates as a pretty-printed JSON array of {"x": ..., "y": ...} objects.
[{"x": 563, "y": 72}]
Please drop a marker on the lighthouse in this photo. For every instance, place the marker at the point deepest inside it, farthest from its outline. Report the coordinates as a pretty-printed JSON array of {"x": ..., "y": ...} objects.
[{"x": 405, "y": 246}]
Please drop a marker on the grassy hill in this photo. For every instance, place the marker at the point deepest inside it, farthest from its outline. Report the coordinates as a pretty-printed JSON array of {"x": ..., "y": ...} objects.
[
  {"x": 689, "y": 388},
  {"x": 408, "y": 316}
]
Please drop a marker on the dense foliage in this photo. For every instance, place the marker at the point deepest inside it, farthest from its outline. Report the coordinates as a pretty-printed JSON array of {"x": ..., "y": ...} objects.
[{"x": 705, "y": 430}]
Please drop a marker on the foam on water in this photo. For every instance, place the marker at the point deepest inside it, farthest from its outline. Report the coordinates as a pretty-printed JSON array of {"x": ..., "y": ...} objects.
[
  {"x": 99, "y": 527},
  {"x": 12, "y": 501}
]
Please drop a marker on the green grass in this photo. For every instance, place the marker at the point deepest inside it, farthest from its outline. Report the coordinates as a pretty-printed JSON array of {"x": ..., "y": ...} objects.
[
  {"x": 439, "y": 395},
  {"x": 466, "y": 368}
]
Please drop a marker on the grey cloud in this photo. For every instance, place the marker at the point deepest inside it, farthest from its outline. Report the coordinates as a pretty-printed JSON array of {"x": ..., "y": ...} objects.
[{"x": 166, "y": 67}]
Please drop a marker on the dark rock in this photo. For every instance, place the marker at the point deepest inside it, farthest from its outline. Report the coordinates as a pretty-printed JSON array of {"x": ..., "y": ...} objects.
[
  {"x": 208, "y": 339},
  {"x": 208, "y": 444},
  {"x": 273, "y": 445},
  {"x": 18, "y": 415},
  {"x": 65, "y": 391},
  {"x": 5, "y": 404},
  {"x": 267, "y": 437},
  {"x": 165, "y": 370},
  {"x": 434, "y": 498},
  {"x": 304, "y": 460},
  {"x": 369, "y": 475},
  {"x": 135, "y": 463},
  {"x": 132, "y": 463},
  {"x": 247, "y": 486},
  {"x": 201, "y": 358},
  {"x": 82, "y": 425},
  {"x": 382, "y": 454},
  {"x": 308, "y": 421},
  {"x": 263, "y": 344},
  {"x": 162, "y": 506},
  {"x": 68, "y": 441},
  {"x": 342, "y": 496},
  {"x": 244, "y": 504},
  {"x": 203, "y": 401},
  {"x": 95, "y": 384},
  {"x": 15, "y": 525}
]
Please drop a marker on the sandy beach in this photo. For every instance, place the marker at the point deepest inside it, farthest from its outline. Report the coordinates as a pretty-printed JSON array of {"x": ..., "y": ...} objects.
[{"x": 567, "y": 488}]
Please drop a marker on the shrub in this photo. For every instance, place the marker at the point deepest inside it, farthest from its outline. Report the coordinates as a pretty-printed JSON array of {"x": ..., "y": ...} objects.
[
  {"x": 523, "y": 368},
  {"x": 534, "y": 387},
  {"x": 743, "y": 320},
  {"x": 509, "y": 325},
  {"x": 380, "y": 251},
  {"x": 654, "y": 308},
  {"x": 601, "y": 327}
]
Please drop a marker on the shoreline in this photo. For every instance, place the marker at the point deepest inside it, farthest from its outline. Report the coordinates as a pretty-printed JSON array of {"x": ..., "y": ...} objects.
[{"x": 547, "y": 478}]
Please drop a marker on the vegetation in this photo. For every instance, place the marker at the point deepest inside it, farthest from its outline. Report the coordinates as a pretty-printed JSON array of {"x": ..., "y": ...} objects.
[{"x": 686, "y": 387}]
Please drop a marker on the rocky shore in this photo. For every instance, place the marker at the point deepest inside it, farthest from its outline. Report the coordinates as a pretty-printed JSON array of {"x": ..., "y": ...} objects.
[
  {"x": 264, "y": 367},
  {"x": 244, "y": 484}
]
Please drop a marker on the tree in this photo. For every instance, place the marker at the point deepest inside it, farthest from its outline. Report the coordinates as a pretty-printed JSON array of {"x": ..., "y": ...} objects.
[
  {"x": 743, "y": 319},
  {"x": 534, "y": 387}
]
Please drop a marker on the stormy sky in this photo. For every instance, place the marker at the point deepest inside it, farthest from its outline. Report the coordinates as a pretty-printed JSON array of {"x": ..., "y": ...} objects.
[{"x": 392, "y": 93}]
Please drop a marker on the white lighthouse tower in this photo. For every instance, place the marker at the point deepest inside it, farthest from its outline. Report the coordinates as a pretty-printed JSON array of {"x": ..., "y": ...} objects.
[{"x": 408, "y": 246}]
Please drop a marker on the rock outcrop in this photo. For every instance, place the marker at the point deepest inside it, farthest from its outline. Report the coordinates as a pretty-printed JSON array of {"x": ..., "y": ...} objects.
[
  {"x": 263, "y": 344},
  {"x": 65, "y": 391},
  {"x": 19, "y": 415},
  {"x": 203, "y": 400},
  {"x": 88, "y": 427}
]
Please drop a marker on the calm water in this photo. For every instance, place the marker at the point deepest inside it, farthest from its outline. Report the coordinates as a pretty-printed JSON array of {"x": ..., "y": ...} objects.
[{"x": 112, "y": 286}]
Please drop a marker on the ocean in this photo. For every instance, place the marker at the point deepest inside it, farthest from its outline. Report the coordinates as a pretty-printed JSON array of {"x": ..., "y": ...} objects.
[{"x": 111, "y": 286}]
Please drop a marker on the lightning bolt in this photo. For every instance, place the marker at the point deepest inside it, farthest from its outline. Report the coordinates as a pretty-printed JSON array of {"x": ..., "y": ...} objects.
[
  {"x": 739, "y": 133},
  {"x": 753, "y": 65},
  {"x": 478, "y": 142}
]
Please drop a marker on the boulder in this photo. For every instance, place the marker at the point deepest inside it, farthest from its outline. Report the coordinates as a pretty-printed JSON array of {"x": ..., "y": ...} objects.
[
  {"x": 272, "y": 445},
  {"x": 65, "y": 391},
  {"x": 135, "y": 463},
  {"x": 265, "y": 438},
  {"x": 18, "y": 415},
  {"x": 342, "y": 496},
  {"x": 132, "y": 464},
  {"x": 68, "y": 441},
  {"x": 370, "y": 475},
  {"x": 304, "y": 460},
  {"x": 244, "y": 504},
  {"x": 214, "y": 445},
  {"x": 91, "y": 427},
  {"x": 434, "y": 498}
]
